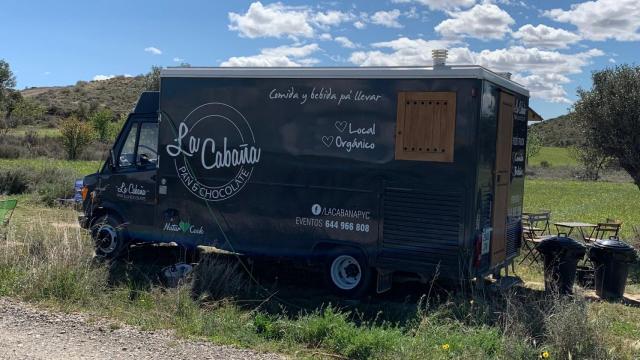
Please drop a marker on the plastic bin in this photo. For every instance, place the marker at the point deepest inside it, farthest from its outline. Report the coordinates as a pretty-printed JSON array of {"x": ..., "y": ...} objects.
[
  {"x": 561, "y": 255},
  {"x": 611, "y": 259}
]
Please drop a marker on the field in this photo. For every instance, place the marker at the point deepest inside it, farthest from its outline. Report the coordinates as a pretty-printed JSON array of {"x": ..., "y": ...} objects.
[
  {"x": 555, "y": 156},
  {"x": 81, "y": 168},
  {"x": 591, "y": 202}
]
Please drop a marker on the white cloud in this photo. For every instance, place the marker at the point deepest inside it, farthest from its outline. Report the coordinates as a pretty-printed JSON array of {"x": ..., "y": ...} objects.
[
  {"x": 486, "y": 21},
  {"x": 153, "y": 50},
  {"x": 345, "y": 42},
  {"x": 178, "y": 59},
  {"x": 331, "y": 18},
  {"x": 441, "y": 4},
  {"x": 545, "y": 36},
  {"x": 408, "y": 52},
  {"x": 387, "y": 18},
  {"x": 325, "y": 36},
  {"x": 103, "y": 77},
  {"x": 602, "y": 19},
  {"x": 612, "y": 60},
  {"x": 273, "y": 20},
  {"x": 128, "y": 75},
  {"x": 546, "y": 86},
  {"x": 544, "y": 72},
  {"x": 280, "y": 56},
  {"x": 292, "y": 51},
  {"x": 521, "y": 59},
  {"x": 280, "y": 20},
  {"x": 359, "y": 25}
]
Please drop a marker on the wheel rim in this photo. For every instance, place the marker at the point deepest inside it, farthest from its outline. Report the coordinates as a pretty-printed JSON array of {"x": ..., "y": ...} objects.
[
  {"x": 106, "y": 239},
  {"x": 346, "y": 272}
]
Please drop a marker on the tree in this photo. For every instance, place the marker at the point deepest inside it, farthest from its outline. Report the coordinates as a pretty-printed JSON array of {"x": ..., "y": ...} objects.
[
  {"x": 152, "y": 79},
  {"x": 117, "y": 125},
  {"x": 7, "y": 80},
  {"x": 9, "y": 97},
  {"x": 76, "y": 135},
  {"x": 534, "y": 143},
  {"x": 609, "y": 116},
  {"x": 591, "y": 160},
  {"x": 26, "y": 112},
  {"x": 101, "y": 122}
]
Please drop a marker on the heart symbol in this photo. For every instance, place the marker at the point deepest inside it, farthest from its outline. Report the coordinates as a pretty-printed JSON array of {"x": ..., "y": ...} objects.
[
  {"x": 340, "y": 125},
  {"x": 327, "y": 140},
  {"x": 184, "y": 226}
]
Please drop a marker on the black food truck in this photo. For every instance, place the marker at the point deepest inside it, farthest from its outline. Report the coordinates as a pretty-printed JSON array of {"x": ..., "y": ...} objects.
[{"x": 360, "y": 172}]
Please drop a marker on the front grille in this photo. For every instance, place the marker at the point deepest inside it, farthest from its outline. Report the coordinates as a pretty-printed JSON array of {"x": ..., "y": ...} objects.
[{"x": 422, "y": 226}]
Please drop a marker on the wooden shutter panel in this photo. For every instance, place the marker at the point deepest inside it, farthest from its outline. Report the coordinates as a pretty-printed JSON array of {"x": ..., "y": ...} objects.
[{"x": 426, "y": 126}]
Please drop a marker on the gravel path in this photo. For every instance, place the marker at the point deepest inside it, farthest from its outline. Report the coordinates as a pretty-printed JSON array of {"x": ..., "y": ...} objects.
[{"x": 27, "y": 332}]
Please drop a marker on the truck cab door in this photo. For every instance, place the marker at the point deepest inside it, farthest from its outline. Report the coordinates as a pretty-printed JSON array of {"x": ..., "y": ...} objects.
[{"x": 130, "y": 187}]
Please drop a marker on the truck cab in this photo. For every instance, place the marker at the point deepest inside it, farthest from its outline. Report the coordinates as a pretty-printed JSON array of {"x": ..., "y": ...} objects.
[{"x": 119, "y": 201}]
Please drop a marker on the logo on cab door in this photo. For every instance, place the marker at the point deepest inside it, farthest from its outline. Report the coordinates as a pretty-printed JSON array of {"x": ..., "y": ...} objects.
[
  {"x": 131, "y": 191},
  {"x": 214, "y": 151}
]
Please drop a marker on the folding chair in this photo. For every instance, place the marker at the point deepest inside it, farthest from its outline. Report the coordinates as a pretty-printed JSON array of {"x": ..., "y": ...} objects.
[
  {"x": 6, "y": 211},
  {"x": 535, "y": 229},
  {"x": 605, "y": 230}
]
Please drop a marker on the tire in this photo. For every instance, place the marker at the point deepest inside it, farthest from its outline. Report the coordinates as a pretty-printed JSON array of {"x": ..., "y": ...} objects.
[
  {"x": 109, "y": 237},
  {"x": 347, "y": 273}
]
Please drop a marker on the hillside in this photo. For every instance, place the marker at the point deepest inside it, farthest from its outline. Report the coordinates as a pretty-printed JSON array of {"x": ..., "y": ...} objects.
[
  {"x": 558, "y": 132},
  {"x": 118, "y": 94}
]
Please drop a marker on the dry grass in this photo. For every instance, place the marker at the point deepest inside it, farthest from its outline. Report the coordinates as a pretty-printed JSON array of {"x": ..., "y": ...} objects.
[{"x": 46, "y": 260}]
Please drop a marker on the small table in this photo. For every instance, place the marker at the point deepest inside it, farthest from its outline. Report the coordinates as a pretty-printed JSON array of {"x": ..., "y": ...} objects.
[{"x": 575, "y": 225}]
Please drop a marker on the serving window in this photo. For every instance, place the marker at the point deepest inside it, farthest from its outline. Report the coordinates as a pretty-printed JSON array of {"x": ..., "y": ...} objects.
[{"x": 425, "y": 128}]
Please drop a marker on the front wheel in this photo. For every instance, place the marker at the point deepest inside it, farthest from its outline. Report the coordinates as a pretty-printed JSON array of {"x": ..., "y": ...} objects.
[
  {"x": 109, "y": 237},
  {"x": 347, "y": 272}
]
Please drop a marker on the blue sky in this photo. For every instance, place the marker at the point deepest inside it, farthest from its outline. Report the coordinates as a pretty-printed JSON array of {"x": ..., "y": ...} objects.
[{"x": 550, "y": 46}]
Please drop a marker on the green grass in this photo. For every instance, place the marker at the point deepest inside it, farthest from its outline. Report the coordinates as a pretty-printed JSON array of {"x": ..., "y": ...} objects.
[
  {"x": 556, "y": 156},
  {"x": 47, "y": 260},
  {"x": 81, "y": 168},
  {"x": 585, "y": 201}
]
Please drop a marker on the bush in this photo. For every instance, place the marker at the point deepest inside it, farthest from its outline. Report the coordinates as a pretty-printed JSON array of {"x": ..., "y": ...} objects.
[
  {"x": 101, "y": 122},
  {"x": 545, "y": 164},
  {"x": 48, "y": 184},
  {"x": 13, "y": 147},
  {"x": 14, "y": 181},
  {"x": 76, "y": 135}
]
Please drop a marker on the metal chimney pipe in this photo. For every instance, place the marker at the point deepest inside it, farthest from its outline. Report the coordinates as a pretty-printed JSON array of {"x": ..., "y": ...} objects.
[{"x": 439, "y": 57}]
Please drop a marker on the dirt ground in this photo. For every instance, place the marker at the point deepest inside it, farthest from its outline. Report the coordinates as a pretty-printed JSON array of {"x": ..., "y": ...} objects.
[{"x": 30, "y": 333}]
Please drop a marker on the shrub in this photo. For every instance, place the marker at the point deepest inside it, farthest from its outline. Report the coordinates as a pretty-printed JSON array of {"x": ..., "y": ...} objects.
[
  {"x": 101, "y": 122},
  {"x": 220, "y": 276},
  {"x": 545, "y": 164},
  {"x": 14, "y": 181},
  {"x": 76, "y": 135}
]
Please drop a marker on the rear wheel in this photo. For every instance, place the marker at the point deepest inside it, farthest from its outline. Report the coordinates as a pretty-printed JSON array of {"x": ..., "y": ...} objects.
[
  {"x": 109, "y": 237},
  {"x": 347, "y": 273}
]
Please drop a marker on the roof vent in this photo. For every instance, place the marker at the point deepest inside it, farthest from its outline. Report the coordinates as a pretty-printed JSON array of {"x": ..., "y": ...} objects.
[
  {"x": 506, "y": 75},
  {"x": 439, "y": 57}
]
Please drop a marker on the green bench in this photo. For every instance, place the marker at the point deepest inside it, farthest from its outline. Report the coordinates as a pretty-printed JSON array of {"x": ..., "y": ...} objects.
[{"x": 6, "y": 210}]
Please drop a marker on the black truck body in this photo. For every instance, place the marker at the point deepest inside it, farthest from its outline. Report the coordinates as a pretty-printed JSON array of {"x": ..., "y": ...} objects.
[{"x": 418, "y": 170}]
